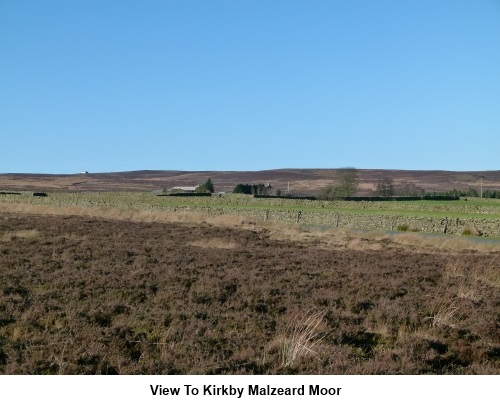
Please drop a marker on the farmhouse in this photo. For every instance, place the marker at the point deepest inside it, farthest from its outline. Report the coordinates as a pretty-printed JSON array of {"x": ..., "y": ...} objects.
[{"x": 182, "y": 189}]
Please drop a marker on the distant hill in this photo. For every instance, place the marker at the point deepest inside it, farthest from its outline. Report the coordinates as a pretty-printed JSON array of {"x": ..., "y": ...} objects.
[{"x": 301, "y": 181}]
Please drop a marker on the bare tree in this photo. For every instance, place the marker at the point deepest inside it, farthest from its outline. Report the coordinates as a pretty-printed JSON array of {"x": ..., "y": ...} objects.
[
  {"x": 328, "y": 193},
  {"x": 385, "y": 187},
  {"x": 345, "y": 185},
  {"x": 410, "y": 190},
  {"x": 347, "y": 181}
]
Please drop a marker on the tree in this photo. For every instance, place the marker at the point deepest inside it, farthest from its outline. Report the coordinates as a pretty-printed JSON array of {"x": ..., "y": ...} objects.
[
  {"x": 328, "y": 193},
  {"x": 255, "y": 189},
  {"x": 347, "y": 182},
  {"x": 345, "y": 185},
  {"x": 472, "y": 192},
  {"x": 207, "y": 187},
  {"x": 410, "y": 190},
  {"x": 385, "y": 188},
  {"x": 261, "y": 189},
  {"x": 243, "y": 189}
]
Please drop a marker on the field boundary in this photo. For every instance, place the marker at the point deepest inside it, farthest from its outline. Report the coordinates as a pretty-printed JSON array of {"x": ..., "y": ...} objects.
[{"x": 330, "y": 218}]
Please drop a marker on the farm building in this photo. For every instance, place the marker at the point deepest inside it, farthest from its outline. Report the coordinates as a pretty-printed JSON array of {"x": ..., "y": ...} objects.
[{"x": 182, "y": 189}]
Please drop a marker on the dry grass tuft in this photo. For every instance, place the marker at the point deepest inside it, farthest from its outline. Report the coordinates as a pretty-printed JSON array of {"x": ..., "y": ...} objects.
[
  {"x": 454, "y": 269},
  {"x": 445, "y": 313},
  {"x": 472, "y": 276},
  {"x": 135, "y": 215},
  {"x": 363, "y": 245},
  {"x": 469, "y": 285},
  {"x": 23, "y": 234},
  {"x": 467, "y": 281},
  {"x": 471, "y": 231},
  {"x": 226, "y": 220},
  {"x": 472, "y": 290},
  {"x": 300, "y": 338},
  {"x": 214, "y": 243},
  {"x": 342, "y": 238},
  {"x": 491, "y": 275},
  {"x": 331, "y": 239},
  {"x": 445, "y": 243}
]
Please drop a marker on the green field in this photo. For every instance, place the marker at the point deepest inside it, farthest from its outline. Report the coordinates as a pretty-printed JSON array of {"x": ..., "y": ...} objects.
[{"x": 471, "y": 208}]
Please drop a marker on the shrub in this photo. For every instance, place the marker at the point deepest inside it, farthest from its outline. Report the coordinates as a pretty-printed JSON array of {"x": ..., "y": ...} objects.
[{"x": 471, "y": 231}]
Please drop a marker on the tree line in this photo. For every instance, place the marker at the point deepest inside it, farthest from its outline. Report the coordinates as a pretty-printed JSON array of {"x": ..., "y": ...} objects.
[
  {"x": 345, "y": 185},
  {"x": 255, "y": 189}
]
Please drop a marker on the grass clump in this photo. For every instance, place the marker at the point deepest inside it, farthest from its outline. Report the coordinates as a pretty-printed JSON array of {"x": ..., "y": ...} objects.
[
  {"x": 471, "y": 231},
  {"x": 22, "y": 234},
  {"x": 299, "y": 340}
]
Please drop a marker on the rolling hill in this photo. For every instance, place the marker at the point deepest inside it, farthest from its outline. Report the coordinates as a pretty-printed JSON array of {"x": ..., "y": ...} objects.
[{"x": 300, "y": 181}]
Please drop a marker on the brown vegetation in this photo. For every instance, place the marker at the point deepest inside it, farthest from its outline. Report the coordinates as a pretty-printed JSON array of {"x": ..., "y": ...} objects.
[
  {"x": 302, "y": 181},
  {"x": 100, "y": 296}
]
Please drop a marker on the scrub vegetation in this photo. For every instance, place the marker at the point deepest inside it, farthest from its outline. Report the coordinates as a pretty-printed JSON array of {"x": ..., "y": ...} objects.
[{"x": 102, "y": 290}]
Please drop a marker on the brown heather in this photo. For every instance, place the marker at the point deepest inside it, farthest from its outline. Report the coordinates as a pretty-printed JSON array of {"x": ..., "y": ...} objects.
[{"x": 107, "y": 291}]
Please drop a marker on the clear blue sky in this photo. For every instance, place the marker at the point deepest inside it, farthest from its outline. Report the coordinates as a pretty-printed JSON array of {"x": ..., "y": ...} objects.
[{"x": 121, "y": 85}]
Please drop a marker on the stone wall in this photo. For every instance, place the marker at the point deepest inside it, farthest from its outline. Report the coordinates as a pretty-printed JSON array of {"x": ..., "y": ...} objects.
[
  {"x": 450, "y": 225},
  {"x": 318, "y": 213}
]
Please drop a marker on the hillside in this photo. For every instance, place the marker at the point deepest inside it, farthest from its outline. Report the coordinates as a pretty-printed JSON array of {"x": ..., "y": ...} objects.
[{"x": 301, "y": 181}]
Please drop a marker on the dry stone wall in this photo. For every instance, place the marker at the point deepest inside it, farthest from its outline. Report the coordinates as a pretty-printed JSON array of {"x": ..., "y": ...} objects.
[
  {"x": 449, "y": 225},
  {"x": 318, "y": 213}
]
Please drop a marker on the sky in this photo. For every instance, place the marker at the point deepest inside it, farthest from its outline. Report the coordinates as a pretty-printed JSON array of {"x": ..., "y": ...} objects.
[{"x": 108, "y": 86}]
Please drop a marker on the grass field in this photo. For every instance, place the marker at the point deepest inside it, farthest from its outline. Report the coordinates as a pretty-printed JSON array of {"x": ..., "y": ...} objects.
[{"x": 470, "y": 208}]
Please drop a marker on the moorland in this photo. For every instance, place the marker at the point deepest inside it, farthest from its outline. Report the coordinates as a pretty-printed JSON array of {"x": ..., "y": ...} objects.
[
  {"x": 121, "y": 283},
  {"x": 296, "y": 181}
]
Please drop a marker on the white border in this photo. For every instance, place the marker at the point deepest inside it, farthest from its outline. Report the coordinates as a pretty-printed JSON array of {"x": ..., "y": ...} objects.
[{"x": 369, "y": 390}]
